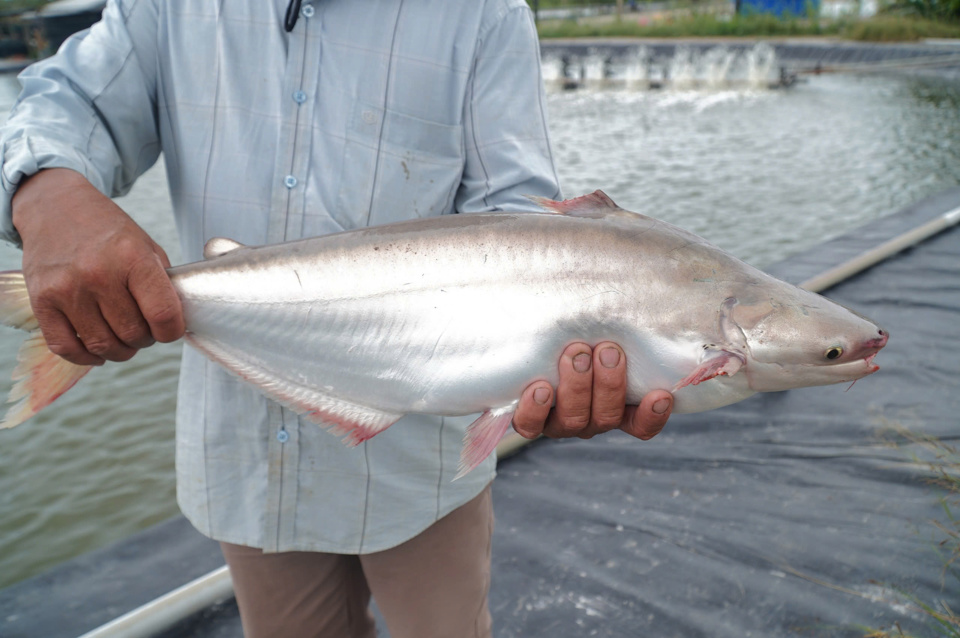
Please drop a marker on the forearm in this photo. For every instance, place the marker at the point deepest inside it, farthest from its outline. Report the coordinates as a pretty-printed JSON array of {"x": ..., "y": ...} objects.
[{"x": 90, "y": 108}]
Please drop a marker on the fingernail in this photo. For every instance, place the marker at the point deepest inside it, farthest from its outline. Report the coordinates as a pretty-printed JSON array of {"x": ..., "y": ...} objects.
[
  {"x": 610, "y": 357},
  {"x": 541, "y": 395},
  {"x": 661, "y": 406},
  {"x": 581, "y": 362}
]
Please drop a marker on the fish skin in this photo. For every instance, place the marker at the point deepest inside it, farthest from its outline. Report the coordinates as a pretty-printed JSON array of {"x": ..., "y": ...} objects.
[{"x": 458, "y": 314}]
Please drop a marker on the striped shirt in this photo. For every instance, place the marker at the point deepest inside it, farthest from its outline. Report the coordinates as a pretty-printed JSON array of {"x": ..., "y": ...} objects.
[{"x": 365, "y": 113}]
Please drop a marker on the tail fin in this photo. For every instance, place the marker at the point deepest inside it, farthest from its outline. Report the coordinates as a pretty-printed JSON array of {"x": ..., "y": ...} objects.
[{"x": 40, "y": 375}]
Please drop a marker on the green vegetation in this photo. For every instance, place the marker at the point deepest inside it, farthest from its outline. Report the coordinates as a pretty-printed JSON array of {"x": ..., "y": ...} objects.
[
  {"x": 555, "y": 4},
  {"x": 948, "y": 10},
  {"x": 898, "y": 21},
  {"x": 692, "y": 25},
  {"x": 890, "y": 28},
  {"x": 884, "y": 28},
  {"x": 12, "y": 7}
]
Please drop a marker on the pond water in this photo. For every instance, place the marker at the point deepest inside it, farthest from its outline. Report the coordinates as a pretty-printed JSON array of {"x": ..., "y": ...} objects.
[{"x": 761, "y": 173}]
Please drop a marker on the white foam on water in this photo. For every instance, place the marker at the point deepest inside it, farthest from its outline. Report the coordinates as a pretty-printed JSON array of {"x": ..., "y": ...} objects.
[{"x": 716, "y": 68}]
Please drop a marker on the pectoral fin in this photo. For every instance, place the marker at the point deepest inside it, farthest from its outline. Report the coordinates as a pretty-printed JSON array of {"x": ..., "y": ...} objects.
[
  {"x": 725, "y": 357},
  {"x": 716, "y": 362}
]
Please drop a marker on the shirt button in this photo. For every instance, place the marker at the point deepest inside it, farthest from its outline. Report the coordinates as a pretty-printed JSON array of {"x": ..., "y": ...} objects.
[
  {"x": 282, "y": 436},
  {"x": 369, "y": 117},
  {"x": 289, "y": 181},
  {"x": 299, "y": 97},
  {"x": 307, "y": 11}
]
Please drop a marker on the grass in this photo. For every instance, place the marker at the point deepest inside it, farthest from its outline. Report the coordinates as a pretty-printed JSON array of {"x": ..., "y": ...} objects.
[
  {"x": 943, "y": 462},
  {"x": 681, "y": 26},
  {"x": 677, "y": 25},
  {"x": 888, "y": 28}
]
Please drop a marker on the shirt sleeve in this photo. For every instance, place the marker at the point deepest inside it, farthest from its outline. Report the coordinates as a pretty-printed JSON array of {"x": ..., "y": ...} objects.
[
  {"x": 508, "y": 154},
  {"x": 90, "y": 108}
]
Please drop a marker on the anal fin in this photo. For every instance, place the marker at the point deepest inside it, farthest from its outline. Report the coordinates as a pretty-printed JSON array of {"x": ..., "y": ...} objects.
[{"x": 355, "y": 423}]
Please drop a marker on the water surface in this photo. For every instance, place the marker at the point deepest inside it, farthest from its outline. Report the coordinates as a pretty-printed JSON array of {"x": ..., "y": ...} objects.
[{"x": 761, "y": 173}]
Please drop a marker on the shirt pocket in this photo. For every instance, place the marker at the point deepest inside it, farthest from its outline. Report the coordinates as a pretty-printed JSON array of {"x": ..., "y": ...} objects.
[{"x": 397, "y": 167}]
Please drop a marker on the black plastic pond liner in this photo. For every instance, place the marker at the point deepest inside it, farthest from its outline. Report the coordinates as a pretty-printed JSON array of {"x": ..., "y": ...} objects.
[{"x": 783, "y": 515}]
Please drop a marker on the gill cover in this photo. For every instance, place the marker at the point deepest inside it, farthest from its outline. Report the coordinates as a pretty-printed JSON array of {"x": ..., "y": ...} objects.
[{"x": 724, "y": 358}]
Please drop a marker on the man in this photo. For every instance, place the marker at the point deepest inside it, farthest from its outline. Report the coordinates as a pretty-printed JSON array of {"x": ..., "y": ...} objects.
[{"x": 276, "y": 122}]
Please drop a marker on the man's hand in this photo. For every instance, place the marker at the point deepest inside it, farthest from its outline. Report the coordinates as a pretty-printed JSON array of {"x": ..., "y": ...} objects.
[
  {"x": 591, "y": 399},
  {"x": 96, "y": 280}
]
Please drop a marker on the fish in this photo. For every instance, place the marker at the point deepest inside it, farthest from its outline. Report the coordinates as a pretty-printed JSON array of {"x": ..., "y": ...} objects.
[{"x": 456, "y": 315}]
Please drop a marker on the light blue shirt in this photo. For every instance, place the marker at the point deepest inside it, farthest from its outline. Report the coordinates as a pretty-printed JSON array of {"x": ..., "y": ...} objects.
[{"x": 366, "y": 113}]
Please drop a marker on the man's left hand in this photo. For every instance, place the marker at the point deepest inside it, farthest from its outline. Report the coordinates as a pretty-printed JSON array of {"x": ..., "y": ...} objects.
[{"x": 590, "y": 399}]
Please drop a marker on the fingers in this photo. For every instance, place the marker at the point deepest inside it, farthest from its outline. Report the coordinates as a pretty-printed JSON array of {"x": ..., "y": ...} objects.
[
  {"x": 646, "y": 420},
  {"x": 78, "y": 326},
  {"x": 574, "y": 393},
  {"x": 157, "y": 299},
  {"x": 97, "y": 321},
  {"x": 592, "y": 391},
  {"x": 590, "y": 399},
  {"x": 533, "y": 410},
  {"x": 609, "y": 389},
  {"x": 97, "y": 336},
  {"x": 103, "y": 314},
  {"x": 62, "y": 339},
  {"x": 123, "y": 322}
]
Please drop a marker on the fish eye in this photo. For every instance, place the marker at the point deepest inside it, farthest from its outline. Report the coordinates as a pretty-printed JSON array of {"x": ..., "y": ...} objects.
[{"x": 833, "y": 353}]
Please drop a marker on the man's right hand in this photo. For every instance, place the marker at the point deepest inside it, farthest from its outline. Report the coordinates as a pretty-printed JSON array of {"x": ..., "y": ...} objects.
[{"x": 96, "y": 280}]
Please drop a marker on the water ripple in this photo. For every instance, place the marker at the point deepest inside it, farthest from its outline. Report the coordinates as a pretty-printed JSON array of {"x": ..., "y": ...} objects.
[{"x": 763, "y": 174}]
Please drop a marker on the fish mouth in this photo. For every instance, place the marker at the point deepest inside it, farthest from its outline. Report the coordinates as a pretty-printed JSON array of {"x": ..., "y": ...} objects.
[
  {"x": 853, "y": 371},
  {"x": 861, "y": 362},
  {"x": 871, "y": 348}
]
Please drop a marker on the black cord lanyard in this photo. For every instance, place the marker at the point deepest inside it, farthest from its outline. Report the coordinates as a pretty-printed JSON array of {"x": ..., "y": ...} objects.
[{"x": 293, "y": 12}]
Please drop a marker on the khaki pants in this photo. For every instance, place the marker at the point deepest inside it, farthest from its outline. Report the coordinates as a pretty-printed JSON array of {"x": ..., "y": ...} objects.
[{"x": 434, "y": 585}]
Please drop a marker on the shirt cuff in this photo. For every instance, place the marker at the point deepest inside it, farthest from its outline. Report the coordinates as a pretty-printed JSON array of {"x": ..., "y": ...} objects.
[{"x": 20, "y": 158}]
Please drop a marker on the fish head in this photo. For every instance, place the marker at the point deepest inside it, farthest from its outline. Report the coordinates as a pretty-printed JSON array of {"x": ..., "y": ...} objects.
[{"x": 804, "y": 339}]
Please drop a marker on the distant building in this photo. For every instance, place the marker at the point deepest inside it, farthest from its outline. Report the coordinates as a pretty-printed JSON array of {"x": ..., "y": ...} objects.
[
  {"x": 780, "y": 8},
  {"x": 848, "y": 8}
]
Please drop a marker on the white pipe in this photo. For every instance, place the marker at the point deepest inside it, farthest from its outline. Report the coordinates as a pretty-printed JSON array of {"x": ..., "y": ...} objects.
[
  {"x": 166, "y": 611},
  {"x": 887, "y": 249}
]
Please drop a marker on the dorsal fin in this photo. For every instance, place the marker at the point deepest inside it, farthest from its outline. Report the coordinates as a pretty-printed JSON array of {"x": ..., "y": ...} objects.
[
  {"x": 596, "y": 204},
  {"x": 219, "y": 246}
]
